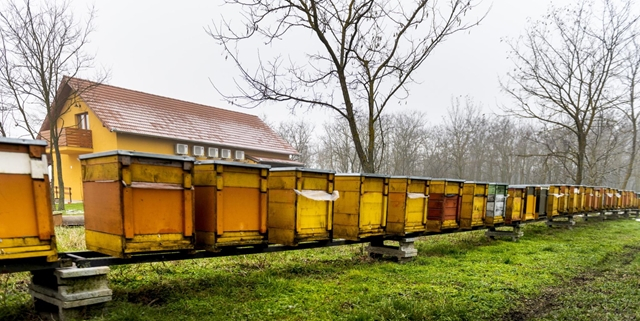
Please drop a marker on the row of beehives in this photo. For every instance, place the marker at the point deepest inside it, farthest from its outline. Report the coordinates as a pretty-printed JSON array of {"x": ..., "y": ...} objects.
[{"x": 139, "y": 203}]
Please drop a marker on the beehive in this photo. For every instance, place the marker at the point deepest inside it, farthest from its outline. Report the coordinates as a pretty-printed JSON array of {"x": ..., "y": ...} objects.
[
  {"x": 137, "y": 202},
  {"x": 563, "y": 199},
  {"x": 230, "y": 203},
  {"x": 445, "y": 201},
  {"x": 361, "y": 210},
  {"x": 598, "y": 194},
  {"x": 27, "y": 229},
  {"x": 542, "y": 195},
  {"x": 407, "y": 206},
  {"x": 573, "y": 206},
  {"x": 300, "y": 205},
  {"x": 589, "y": 199},
  {"x": 474, "y": 204},
  {"x": 528, "y": 202},
  {"x": 515, "y": 205},
  {"x": 553, "y": 197},
  {"x": 496, "y": 204}
]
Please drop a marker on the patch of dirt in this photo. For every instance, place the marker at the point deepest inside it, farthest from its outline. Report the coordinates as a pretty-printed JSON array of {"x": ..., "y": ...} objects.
[{"x": 548, "y": 300}]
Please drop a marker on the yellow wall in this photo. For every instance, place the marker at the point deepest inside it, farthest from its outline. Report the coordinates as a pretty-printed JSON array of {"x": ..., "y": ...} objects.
[{"x": 102, "y": 140}]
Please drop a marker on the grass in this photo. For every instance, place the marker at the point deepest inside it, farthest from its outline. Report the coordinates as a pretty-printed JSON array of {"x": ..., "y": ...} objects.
[
  {"x": 590, "y": 272},
  {"x": 74, "y": 208}
]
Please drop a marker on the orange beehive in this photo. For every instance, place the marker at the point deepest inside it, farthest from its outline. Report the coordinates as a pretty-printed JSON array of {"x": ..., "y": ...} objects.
[{"x": 26, "y": 223}]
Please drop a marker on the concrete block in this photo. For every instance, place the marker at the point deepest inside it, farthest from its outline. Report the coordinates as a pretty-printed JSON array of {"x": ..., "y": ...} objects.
[{"x": 404, "y": 252}]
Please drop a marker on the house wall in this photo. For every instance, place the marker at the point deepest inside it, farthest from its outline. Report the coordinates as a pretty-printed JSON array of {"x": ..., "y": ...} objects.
[
  {"x": 167, "y": 146},
  {"x": 102, "y": 140}
]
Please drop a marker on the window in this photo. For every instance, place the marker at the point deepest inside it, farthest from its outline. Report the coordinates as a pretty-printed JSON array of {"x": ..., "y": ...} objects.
[{"x": 82, "y": 121}]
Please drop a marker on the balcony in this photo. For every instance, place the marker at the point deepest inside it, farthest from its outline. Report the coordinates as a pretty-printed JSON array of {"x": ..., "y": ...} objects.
[{"x": 72, "y": 138}]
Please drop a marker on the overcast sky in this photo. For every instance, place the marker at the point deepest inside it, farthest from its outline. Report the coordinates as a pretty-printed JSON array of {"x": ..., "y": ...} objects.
[{"x": 161, "y": 47}]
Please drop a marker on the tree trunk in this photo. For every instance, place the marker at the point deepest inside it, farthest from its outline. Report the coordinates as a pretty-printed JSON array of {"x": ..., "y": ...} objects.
[
  {"x": 57, "y": 170},
  {"x": 582, "y": 151}
]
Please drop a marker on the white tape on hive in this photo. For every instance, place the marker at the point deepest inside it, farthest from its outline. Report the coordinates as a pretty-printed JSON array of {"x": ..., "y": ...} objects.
[
  {"x": 15, "y": 163},
  {"x": 417, "y": 195},
  {"x": 557, "y": 195},
  {"x": 609, "y": 195},
  {"x": 39, "y": 167},
  {"x": 317, "y": 195}
]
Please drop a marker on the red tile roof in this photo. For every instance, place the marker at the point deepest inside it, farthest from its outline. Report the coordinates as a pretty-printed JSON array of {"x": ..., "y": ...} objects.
[{"x": 129, "y": 111}]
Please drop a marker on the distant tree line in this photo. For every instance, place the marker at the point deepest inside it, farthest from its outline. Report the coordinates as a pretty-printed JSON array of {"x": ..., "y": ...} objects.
[{"x": 471, "y": 145}]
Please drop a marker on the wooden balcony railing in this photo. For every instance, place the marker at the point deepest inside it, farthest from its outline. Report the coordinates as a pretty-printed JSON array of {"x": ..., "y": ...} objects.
[{"x": 72, "y": 137}]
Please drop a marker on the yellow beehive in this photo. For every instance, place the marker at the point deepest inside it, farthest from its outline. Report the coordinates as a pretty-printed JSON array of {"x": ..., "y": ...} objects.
[
  {"x": 581, "y": 199},
  {"x": 573, "y": 206},
  {"x": 563, "y": 199},
  {"x": 589, "y": 199},
  {"x": 361, "y": 210},
  {"x": 230, "y": 203},
  {"x": 26, "y": 228},
  {"x": 553, "y": 198},
  {"x": 515, "y": 205},
  {"x": 137, "y": 202},
  {"x": 528, "y": 202},
  {"x": 610, "y": 198},
  {"x": 598, "y": 193},
  {"x": 626, "y": 201},
  {"x": 408, "y": 203},
  {"x": 300, "y": 205},
  {"x": 474, "y": 204}
]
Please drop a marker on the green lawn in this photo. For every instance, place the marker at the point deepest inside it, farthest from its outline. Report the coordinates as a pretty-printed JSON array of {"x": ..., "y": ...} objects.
[
  {"x": 74, "y": 207},
  {"x": 590, "y": 272}
]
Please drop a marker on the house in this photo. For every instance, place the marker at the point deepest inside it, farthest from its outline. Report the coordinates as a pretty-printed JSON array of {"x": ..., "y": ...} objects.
[{"x": 98, "y": 118}]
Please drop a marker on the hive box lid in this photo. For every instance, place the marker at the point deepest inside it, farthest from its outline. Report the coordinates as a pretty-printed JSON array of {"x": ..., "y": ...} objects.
[
  {"x": 20, "y": 141},
  {"x": 362, "y": 174},
  {"x": 228, "y": 163},
  {"x": 455, "y": 180},
  {"x": 422, "y": 178},
  {"x": 302, "y": 169},
  {"x": 137, "y": 154}
]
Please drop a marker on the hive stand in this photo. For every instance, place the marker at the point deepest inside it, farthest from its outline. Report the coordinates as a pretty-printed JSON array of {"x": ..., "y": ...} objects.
[
  {"x": 70, "y": 293},
  {"x": 633, "y": 213},
  {"x": 569, "y": 223},
  {"x": 598, "y": 215},
  {"x": 514, "y": 234},
  {"x": 615, "y": 214},
  {"x": 404, "y": 252}
]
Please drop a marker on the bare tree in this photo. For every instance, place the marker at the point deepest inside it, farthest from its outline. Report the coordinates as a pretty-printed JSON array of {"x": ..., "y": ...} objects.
[
  {"x": 42, "y": 49},
  {"x": 299, "y": 133},
  {"x": 336, "y": 149},
  {"x": 565, "y": 68},
  {"x": 630, "y": 78},
  {"x": 5, "y": 113},
  {"x": 364, "y": 51},
  {"x": 461, "y": 124},
  {"x": 406, "y": 139}
]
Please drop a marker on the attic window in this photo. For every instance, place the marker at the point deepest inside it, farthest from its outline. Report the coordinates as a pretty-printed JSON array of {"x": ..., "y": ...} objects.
[{"x": 82, "y": 121}]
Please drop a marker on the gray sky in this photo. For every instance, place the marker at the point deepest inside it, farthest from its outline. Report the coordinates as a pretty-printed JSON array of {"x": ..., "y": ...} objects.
[{"x": 161, "y": 47}]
